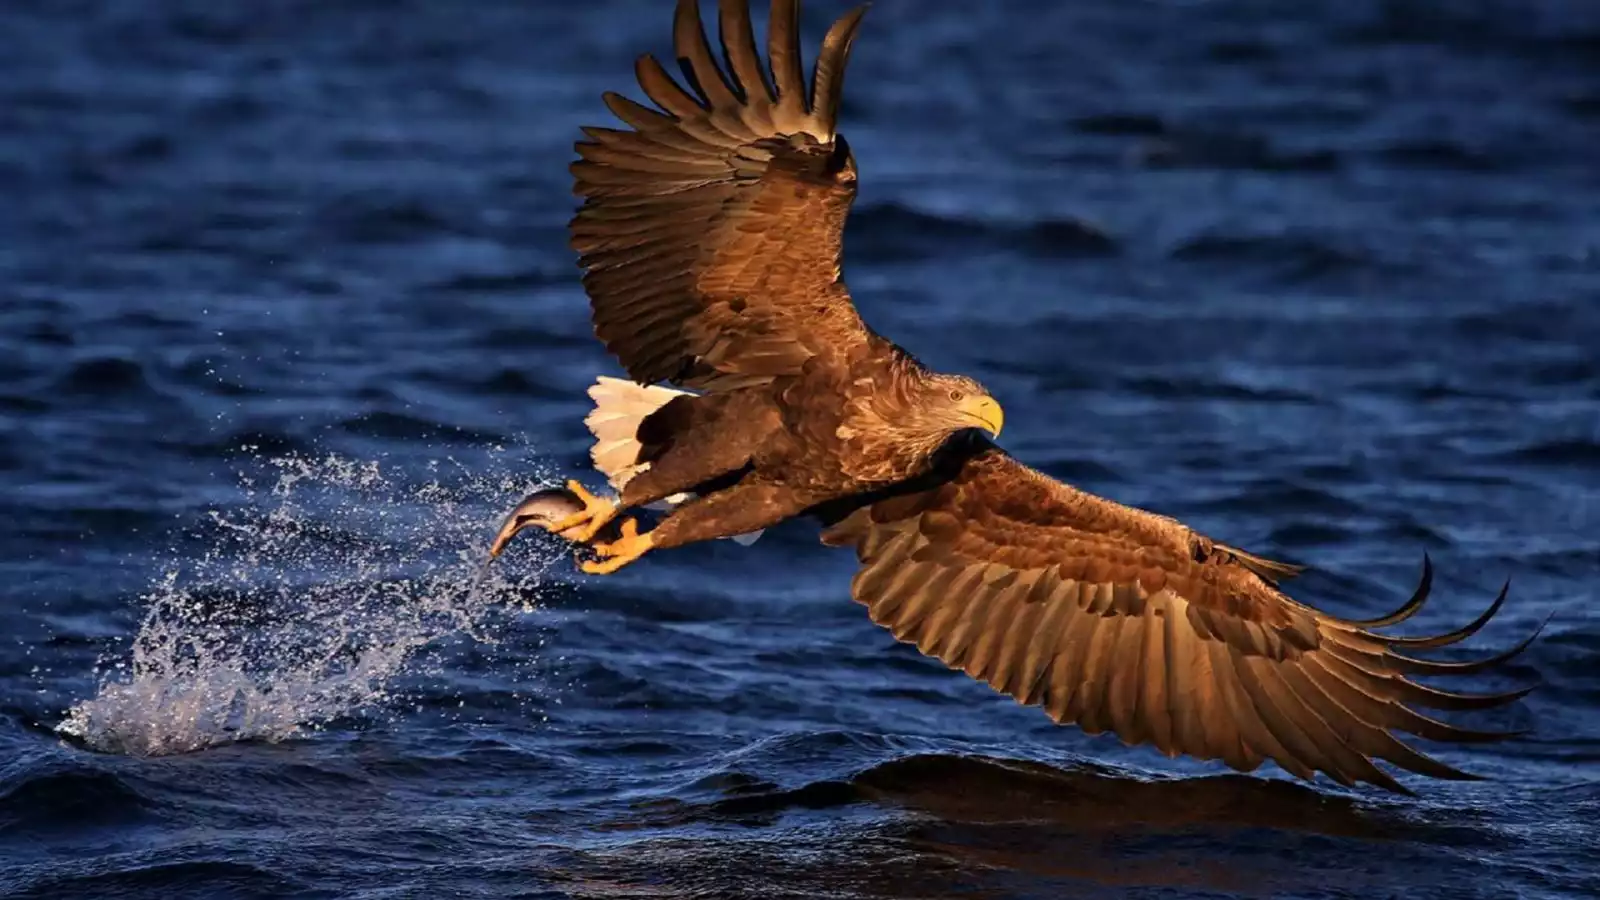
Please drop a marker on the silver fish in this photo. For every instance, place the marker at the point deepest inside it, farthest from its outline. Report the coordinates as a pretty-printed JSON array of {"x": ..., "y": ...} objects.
[{"x": 542, "y": 508}]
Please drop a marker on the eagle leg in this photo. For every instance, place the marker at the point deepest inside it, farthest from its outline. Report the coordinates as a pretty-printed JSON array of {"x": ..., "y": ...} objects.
[
  {"x": 629, "y": 546},
  {"x": 597, "y": 512}
]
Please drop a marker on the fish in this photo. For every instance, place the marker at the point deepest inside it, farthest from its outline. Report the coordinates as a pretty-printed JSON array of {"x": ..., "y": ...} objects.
[{"x": 542, "y": 509}]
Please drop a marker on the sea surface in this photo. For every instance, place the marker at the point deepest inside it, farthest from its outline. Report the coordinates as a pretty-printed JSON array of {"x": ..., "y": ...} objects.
[{"x": 288, "y": 322}]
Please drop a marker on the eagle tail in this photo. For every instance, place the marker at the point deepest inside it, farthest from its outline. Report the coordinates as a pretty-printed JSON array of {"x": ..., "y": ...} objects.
[{"x": 619, "y": 406}]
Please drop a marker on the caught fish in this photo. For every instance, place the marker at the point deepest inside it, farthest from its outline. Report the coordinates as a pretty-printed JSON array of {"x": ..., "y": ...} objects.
[
  {"x": 547, "y": 507},
  {"x": 542, "y": 509}
]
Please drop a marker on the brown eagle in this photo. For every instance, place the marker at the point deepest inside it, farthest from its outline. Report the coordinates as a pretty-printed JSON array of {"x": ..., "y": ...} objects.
[{"x": 709, "y": 236}]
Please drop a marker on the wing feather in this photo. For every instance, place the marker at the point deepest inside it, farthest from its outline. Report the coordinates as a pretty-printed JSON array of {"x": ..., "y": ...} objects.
[
  {"x": 1122, "y": 694},
  {"x": 1154, "y": 709},
  {"x": 710, "y": 234},
  {"x": 1056, "y": 624},
  {"x": 694, "y": 58},
  {"x": 783, "y": 49},
  {"x": 744, "y": 61},
  {"x": 827, "y": 88},
  {"x": 1119, "y": 620}
]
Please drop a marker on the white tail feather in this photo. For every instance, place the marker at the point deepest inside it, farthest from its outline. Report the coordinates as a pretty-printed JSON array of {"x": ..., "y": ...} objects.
[{"x": 619, "y": 407}]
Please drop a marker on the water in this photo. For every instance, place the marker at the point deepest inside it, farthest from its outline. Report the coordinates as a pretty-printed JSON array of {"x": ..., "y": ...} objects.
[
  {"x": 293, "y": 619},
  {"x": 287, "y": 323}
]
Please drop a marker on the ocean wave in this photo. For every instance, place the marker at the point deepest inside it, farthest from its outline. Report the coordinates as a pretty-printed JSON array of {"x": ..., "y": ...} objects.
[
  {"x": 1081, "y": 797},
  {"x": 894, "y": 232},
  {"x": 245, "y": 444},
  {"x": 56, "y": 798},
  {"x": 1222, "y": 150},
  {"x": 153, "y": 877},
  {"x": 1579, "y": 452},
  {"x": 1439, "y": 154},
  {"x": 1202, "y": 389},
  {"x": 1290, "y": 256},
  {"x": 407, "y": 426},
  {"x": 1539, "y": 28},
  {"x": 1116, "y": 124},
  {"x": 376, "y": 219},
  {"x": 519, "y": 382},
  {"x": 102, "y": 377},
  {"x": 1305, "y": 534},
  {"x": 1277, "y": 496},
  {"x": 508, "y": 282}
]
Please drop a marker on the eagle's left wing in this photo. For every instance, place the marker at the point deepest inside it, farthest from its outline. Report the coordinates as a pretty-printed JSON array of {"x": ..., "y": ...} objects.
[
  {"x": 1121, "y": 620},
  {"x": 711, "y": 229}
]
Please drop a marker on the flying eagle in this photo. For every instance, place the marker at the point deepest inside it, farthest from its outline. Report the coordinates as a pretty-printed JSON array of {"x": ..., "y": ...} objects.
[{"x": 710, "y": 235}]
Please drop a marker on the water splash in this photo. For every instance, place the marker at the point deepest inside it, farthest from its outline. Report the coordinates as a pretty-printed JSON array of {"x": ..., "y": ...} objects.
[{"x": 308, "y": 603}]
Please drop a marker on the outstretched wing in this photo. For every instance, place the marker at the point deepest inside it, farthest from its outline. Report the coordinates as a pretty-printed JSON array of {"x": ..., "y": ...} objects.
[
  {"x": 710, "y": 233},
  {"x": 1120, "y": 620}
]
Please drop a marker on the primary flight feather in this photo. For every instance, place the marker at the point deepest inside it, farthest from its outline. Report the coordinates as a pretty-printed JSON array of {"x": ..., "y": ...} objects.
[{"x": 710, "y": 236}]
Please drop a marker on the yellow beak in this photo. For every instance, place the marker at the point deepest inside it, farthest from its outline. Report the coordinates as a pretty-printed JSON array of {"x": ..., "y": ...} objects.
[{"x": 985, "y": 412}]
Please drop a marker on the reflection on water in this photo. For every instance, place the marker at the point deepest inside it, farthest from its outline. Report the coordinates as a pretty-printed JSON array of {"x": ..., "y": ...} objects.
[{"x": 928, "y": 824}]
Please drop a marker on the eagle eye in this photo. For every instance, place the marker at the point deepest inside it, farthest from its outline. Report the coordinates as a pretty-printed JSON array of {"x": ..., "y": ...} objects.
[{"x": 956, "y": 395}]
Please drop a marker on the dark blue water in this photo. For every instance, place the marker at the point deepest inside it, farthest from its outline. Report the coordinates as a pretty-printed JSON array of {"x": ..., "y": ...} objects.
[{"x": 287, "y": 321}]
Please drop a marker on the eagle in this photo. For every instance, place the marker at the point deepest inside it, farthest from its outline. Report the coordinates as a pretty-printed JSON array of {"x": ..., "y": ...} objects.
[{"x": 709, "y": 236}]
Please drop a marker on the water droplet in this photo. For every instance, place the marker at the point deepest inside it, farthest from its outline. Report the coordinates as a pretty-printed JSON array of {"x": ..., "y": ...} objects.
[{"x": 311, "y": 599}]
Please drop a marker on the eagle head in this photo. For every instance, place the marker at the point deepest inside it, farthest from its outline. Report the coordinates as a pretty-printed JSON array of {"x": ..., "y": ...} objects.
[{"x": 955, "y": 402}]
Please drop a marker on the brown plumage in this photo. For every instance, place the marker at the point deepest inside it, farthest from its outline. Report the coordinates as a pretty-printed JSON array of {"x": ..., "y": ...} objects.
[
  {"x": 710, "y": 235},
  {"x": 1120, "y": 620}
]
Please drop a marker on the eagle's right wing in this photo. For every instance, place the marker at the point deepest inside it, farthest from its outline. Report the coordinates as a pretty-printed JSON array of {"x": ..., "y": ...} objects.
[
  {"x": 1120, "y": 620},
  {"x": 710, "y": 232}
]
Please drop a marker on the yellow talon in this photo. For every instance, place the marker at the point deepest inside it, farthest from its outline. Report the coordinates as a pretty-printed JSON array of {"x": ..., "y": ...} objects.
[
  {"x": 629, "y": 546},
  {"x": 596, "y": 514},
  {"x": 628, "y": 532}
]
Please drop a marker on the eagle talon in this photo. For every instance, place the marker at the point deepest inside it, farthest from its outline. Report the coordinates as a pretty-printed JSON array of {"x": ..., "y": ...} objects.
[
  {"x": 628, "y": 532},
  {"x": 629, "y": 546},
  {"x": 596, "y": 514}
]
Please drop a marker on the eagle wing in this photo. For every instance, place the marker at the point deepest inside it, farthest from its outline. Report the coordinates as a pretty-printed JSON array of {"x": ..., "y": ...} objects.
[
  {"x": 710, "y": 232},
  {"x": 1120, "y": 620}
]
